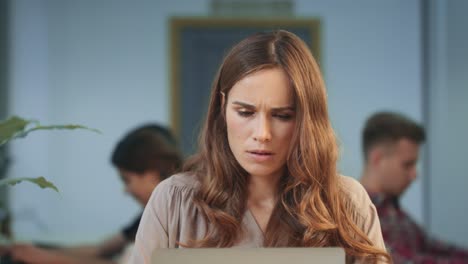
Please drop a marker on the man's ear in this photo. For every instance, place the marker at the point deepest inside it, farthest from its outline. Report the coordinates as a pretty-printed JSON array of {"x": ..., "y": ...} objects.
[{"x": 375, "y": 155}]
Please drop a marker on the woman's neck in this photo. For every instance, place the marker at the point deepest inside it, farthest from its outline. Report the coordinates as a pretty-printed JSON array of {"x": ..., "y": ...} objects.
[
  {"x": 263, "y": 194},
  {"x": 262, "y": 191}
]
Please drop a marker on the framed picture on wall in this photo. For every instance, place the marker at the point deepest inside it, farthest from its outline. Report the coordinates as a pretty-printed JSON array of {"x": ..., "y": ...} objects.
[{"x": 198, "y": 46}]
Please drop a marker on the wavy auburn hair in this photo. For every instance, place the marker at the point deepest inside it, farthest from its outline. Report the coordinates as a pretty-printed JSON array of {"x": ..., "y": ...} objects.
[{"x": 312, "y": 210}]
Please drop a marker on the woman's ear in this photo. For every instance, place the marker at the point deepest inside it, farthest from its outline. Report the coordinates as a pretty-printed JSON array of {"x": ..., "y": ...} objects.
[
  {"x": 223, "y": 103},
  {"x": 223, "y": 99}
]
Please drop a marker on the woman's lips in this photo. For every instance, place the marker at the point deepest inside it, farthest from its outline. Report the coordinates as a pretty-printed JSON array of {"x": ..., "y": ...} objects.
[{"x": 260, "y": 155}]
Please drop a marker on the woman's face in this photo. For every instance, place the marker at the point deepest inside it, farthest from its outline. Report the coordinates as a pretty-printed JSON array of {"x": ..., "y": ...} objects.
[{"x": 260, "y": 118}]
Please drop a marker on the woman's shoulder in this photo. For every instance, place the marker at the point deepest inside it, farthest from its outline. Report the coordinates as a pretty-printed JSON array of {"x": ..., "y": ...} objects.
[
  {"x": 181, "y": 181},
  {"x": 356, "y": 193},
  {"x": 178, "y": 188},
  {"x": 362, "y": 210},
  {"x": 170, "y": 208}
]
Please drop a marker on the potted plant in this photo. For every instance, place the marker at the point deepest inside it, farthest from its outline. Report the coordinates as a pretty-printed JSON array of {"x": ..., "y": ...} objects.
[{"x": 13, "y": 128}]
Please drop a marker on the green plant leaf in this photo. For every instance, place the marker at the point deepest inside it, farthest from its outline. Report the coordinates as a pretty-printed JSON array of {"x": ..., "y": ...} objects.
[
  {"x": 16, "y": 127},
  {"x": 39, "y": 181},
  {"x": 68, "y": 127},
  {"x": 11, "y": 127}
]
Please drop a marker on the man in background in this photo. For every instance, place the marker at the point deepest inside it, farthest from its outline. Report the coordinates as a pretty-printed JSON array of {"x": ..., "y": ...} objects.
[{"x": 391, "y": 145}]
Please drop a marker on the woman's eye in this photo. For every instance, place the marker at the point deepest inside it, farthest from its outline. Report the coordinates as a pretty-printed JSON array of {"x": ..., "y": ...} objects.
[
  {"x": 284, "y": 116},
  {"x": 245, "y": 113}
]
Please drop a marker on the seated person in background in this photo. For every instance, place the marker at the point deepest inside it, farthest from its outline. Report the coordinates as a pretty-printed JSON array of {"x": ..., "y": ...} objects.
[
  {"x": 265, "y": 174},
  {"x": 391, "y": 149},
  {"x": 143, "y": 158}
]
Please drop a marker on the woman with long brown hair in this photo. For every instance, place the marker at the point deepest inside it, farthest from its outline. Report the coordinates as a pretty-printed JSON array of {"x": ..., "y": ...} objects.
[{"x": 265, "y": 174}]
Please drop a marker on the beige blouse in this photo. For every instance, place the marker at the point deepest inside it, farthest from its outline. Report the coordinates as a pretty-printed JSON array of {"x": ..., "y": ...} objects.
[{"x": 171, "y": 216}]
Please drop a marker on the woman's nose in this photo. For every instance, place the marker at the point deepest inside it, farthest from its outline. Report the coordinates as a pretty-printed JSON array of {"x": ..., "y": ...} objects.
[{"x": 263, "y": 129}]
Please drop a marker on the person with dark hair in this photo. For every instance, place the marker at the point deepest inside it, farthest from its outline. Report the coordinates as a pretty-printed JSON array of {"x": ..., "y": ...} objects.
[
  {"x": 143, "y": 158},
  {"x": 265, "y": 173},
  {"x": 390, "y": 143}
]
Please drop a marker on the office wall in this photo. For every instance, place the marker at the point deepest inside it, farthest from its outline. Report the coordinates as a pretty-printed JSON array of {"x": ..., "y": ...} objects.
[
  {"x": 104, "y": 64},
  {"x": 448, "y": 125},
  {"x": 3, "y": 57},
  {"x": 3, "y": 94}
]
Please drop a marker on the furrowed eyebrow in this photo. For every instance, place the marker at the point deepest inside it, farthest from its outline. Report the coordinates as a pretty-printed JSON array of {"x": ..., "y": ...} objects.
[
  {"x": 276, "y": 109},
  {"x": 286, "y": 108},
  {"x": 243, "y": 104}
]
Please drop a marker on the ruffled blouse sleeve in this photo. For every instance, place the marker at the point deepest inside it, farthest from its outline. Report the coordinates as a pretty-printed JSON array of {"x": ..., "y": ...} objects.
[
  {"x": 170, "y": 203},
  {"x": 365, "y": 213}
]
